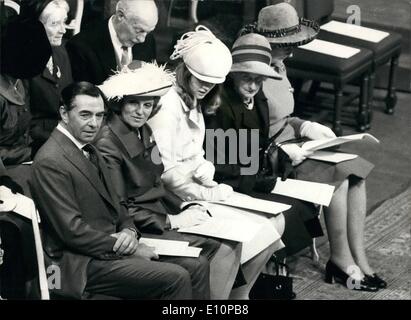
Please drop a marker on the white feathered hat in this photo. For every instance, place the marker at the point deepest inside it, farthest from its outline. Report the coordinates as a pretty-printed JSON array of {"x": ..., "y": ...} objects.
[
  {"x": 206, "y": 57},
  {"x": 138, "y": 79}
]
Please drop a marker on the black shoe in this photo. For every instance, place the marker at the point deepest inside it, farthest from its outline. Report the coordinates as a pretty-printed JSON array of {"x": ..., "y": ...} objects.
[
  {"x": 376, "y": 280},
  {"x": 333, "y": 272}
]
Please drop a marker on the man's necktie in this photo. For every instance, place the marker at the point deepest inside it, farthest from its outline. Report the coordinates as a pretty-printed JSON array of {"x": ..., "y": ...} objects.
[
  {"x": 92, "y": 156},
  {"x": 124, "y": 56}
]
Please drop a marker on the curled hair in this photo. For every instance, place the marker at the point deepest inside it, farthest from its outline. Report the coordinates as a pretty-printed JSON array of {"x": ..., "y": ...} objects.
[
  {"x": 48, "y": 9},
  {"x": 211, "y": 101}
]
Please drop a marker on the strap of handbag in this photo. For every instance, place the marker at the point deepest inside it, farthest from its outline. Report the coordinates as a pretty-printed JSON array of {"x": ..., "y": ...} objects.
[{"x": 278, "y": 264}]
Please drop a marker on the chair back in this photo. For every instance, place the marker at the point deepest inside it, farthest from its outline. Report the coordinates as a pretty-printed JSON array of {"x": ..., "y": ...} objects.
[
  {"x": 13, "y": 5},
  {"x": 319, "y": 10}
]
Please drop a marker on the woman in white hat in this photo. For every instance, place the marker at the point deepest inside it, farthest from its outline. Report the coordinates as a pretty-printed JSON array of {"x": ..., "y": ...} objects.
[
  {"x": 179, "y": 131},
  {"x": 244, "y": 108},
  {"x": 126, "y": 145},
  {"x": 345, "y": 216}
]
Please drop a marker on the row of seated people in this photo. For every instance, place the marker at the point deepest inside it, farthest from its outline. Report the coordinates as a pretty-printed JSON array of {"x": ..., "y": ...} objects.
[{"x": 99, "y": 186}]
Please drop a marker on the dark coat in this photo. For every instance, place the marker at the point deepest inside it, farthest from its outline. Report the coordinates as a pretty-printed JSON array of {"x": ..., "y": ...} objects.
[
  {"x": 92, "y": 54},
  {"x": 134, "y": 176},
  {"x": 232, "y": 115},
  {"x": 78, "y": 212},
  {"x": 14, "y": 123},
  {"x": 301, "y": 222},
  {"x": 45, "y": 95}
]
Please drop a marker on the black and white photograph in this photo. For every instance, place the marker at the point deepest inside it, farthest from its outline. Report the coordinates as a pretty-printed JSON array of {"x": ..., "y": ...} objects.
[{"x": 205, "y": 157}]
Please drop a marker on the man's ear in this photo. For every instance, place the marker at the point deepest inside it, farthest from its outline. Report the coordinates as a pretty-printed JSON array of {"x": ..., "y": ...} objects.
[
  {"x": 120, "y": 15},
  {"x": 63, "y": 114}
]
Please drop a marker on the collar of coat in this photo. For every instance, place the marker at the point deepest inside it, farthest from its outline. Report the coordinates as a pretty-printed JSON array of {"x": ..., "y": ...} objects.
[
  {"x": 129, "y": 138},
  {"x": 235, "y": 105}
]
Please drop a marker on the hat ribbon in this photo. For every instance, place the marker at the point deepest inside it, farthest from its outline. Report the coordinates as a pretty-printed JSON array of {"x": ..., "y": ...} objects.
[
  {"x": 191, "y": 39},
  {"x": 279, "y": 33}
]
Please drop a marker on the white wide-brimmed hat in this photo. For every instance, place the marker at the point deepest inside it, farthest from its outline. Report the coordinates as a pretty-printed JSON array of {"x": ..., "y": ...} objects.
[
  {"x": 205, "y": 56},
  {"x": 139, "y": 79},
  {"x": 282, "y": 27},
  {"x": 252, "y": 54}
]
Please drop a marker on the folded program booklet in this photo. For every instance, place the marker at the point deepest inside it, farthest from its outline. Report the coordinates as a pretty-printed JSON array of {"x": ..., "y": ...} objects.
[
  {"x": 243, "y": 201},
  {"x": 315, "y": 145}
]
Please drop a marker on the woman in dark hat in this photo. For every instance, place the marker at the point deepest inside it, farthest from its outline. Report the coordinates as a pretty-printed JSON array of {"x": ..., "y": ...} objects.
[
  {"x": 45, "y": 88},
  {"x": 243, "y": 108},
  {"x": 25, "y": 51},
  {"x": 345, "y": 216}
]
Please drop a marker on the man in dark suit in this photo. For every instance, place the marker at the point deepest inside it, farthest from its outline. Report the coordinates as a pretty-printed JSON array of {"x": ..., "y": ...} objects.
[
  {"x": 106, "y": 47},
  {"x": 88, "y": 235}
]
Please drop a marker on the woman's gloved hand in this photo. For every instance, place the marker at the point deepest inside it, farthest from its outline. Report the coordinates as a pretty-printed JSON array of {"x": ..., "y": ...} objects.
[
  {"x": 220, "y": 192},
  {"x": 316, "y": 131},
  {"x": 296, "y": 154},
  {"x": 204, "y": 174},
  {"x": 192, "y": 216}
]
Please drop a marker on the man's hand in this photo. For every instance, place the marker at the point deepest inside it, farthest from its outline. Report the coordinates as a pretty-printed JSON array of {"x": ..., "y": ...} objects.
[
  {"x": 316, "y": 131},
  {"x": 192, "y": 216},
  {"x": 126, "y": 243},
  {"x": 146, "y": 252},
  {"x": 296, "y": 154}
]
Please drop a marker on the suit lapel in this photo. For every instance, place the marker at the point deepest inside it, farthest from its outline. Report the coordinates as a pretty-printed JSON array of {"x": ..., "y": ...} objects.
[
  {"x": 77, "y": 158},
  {"x": 127, "y": 138}
]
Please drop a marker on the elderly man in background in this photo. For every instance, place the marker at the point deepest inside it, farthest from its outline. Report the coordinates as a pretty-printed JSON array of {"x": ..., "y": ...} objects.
[{"x": 97, "y": 52}]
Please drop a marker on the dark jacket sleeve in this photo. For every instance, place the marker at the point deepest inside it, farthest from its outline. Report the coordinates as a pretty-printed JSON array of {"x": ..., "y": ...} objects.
[
  {"x": 53, "y": 192},
  {"x": 80, "y": 59}
]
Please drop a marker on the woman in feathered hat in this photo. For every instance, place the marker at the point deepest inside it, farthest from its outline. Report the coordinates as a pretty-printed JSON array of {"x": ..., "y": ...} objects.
[
  {"x": 345, "y": 216},
  {"x": 243, "y": 108},
  {"x": 179, "y": 131},
  {"x": 125, "y": 143}
]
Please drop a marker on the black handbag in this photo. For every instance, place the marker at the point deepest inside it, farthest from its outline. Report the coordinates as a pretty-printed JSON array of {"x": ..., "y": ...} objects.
[{"x": 273, "y": 287}]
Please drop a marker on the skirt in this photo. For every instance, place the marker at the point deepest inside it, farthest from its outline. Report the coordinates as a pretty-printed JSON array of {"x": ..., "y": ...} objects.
[{"x": 331, "y": 173}]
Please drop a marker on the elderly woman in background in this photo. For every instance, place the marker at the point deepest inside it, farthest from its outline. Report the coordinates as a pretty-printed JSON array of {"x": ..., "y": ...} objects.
[
  {"x": 179, "y": 131},
  {"x": 345, "y": 216},
  {"x": 244, "y": 108},
  {"x": 45, "y": 89}
]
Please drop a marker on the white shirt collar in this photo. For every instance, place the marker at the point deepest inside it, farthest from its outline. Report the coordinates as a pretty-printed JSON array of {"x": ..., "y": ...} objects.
[
  {"x": 116, "y": 42},
  {"x": 70, "y": 136}
]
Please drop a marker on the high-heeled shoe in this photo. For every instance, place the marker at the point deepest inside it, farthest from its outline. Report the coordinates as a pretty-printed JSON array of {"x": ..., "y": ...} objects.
[
  {"x": 334, "y": 273},
  {"x": 376, "y": 280}
]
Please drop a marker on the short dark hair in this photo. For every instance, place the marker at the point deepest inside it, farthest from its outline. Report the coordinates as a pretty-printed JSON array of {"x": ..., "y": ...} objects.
[{"x": 75, "y": 89}]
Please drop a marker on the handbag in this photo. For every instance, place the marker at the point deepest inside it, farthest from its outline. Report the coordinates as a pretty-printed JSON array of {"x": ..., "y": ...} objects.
[{"x": 273, "y": 287}]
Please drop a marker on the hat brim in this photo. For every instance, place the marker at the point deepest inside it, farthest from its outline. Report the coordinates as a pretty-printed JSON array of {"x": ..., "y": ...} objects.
[
  {"x": 208, "y": 79},
  {"x": 256, "y": 67},
  {"x": 309, "y": 31},
  {"x": 158, "y": 92}
]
